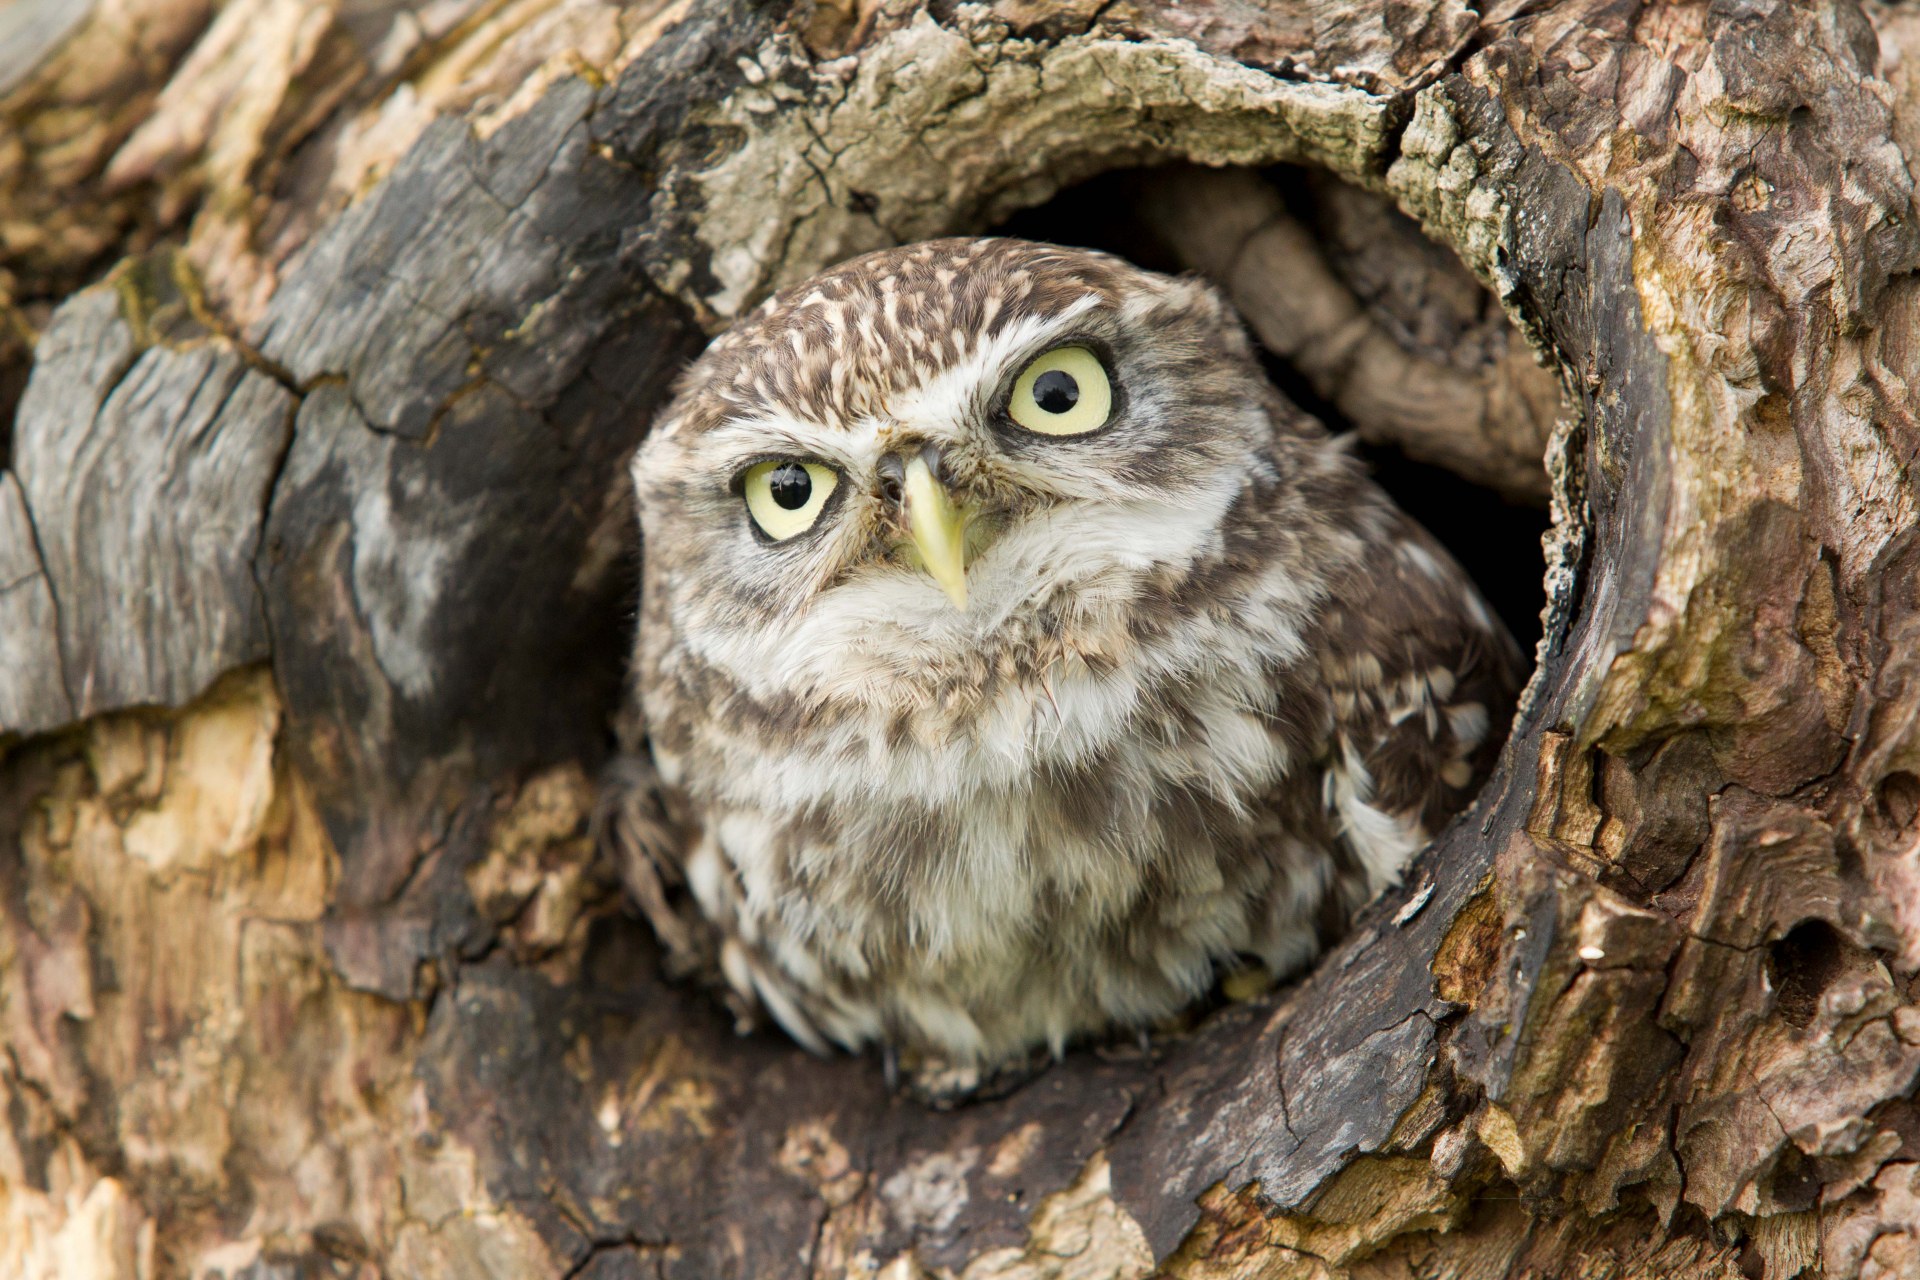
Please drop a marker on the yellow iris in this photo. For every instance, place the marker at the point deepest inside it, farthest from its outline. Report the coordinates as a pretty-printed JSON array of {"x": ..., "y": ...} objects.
[
  {"x": 1063, "y": 393},
  {"x": 785, "y": 497}
]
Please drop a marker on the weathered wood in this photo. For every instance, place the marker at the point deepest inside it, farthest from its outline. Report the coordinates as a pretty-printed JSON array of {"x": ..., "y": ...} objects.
[
  {"x": 312, "y": 968},
  {"x": 144, "y": 448},
  {"x": 33, "y": 693}
]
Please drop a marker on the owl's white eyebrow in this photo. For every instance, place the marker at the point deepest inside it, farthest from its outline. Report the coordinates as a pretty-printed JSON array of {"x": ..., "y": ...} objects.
[{"x": 742, "y": 440}]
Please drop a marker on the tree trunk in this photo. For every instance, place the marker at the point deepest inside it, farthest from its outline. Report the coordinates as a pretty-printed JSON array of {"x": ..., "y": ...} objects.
[{"x": 330, "y": 326}]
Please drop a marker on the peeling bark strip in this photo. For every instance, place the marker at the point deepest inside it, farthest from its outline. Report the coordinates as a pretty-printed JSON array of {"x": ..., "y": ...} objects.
[{"x": 314, "y": 564}]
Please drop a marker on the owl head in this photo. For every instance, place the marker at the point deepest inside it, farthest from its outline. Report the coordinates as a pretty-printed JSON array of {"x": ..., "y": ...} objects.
[{"x": 954, "y": 447}]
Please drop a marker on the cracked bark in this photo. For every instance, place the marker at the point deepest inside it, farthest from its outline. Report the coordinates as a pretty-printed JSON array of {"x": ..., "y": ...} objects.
[{"x": 315, "y": 564}]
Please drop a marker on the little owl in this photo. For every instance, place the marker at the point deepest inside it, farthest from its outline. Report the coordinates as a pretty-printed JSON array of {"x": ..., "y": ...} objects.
[{"x": 1014, "y": 660}]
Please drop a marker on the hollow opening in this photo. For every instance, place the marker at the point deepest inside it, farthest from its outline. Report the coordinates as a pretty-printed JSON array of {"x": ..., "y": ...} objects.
[
  {"x": 1346, "y": 295},
  {"x": 1801, "y": 966},
  {"x": 1401, "y": 346}
]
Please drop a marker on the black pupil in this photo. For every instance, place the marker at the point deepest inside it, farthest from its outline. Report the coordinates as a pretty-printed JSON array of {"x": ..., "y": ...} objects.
[
  {"x": 790, "y": 486},
  {"x": 1055, "y": 391}
]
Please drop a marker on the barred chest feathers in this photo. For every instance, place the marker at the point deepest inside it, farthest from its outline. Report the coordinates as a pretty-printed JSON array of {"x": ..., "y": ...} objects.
[{"x": 1037, "y": 720}]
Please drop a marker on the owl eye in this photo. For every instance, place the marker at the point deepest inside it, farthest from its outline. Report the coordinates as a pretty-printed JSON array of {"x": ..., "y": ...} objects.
[
  {"x": 786, "y": 497},
  {"x": 1063, "y": 393}
]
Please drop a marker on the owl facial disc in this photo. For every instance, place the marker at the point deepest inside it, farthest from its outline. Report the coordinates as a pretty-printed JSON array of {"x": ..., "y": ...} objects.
[{"x": 939, "y": 530}]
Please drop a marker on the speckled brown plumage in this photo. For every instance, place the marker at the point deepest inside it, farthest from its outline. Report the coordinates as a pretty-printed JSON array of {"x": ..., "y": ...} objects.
[{"x": 1209, "y": 691}]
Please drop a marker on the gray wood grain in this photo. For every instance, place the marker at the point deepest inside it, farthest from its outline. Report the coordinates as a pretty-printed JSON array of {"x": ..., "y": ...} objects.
[
  {"x": 33, "y": 687},
  {"x": 145, "y": 474},
  {"x": 32, "y": 30}
]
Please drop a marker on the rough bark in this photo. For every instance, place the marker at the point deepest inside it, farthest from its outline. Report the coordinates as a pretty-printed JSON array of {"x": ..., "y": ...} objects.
[{"x": 315, "y": 569}]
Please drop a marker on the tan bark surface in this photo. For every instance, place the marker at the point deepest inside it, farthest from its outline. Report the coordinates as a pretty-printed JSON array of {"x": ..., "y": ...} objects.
[{"x": 329, "y": 325}]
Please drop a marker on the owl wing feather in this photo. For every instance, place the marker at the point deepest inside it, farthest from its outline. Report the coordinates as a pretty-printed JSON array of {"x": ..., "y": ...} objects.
[
  {"x": 1421, "y": 677},
  {"x": 638, "y": 831},
  {"x": 643, "y": 829}
]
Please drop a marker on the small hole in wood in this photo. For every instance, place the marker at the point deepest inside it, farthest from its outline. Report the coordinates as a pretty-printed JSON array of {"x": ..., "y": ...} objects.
[
  {"x": 1796, "y": 1182},
  {"x": 1899, "y": 796},
  {"x": 1803, "y": 965}
]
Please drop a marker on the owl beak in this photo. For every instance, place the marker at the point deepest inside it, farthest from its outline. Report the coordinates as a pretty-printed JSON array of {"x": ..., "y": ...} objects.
[{"x": 938, "y": 529}]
